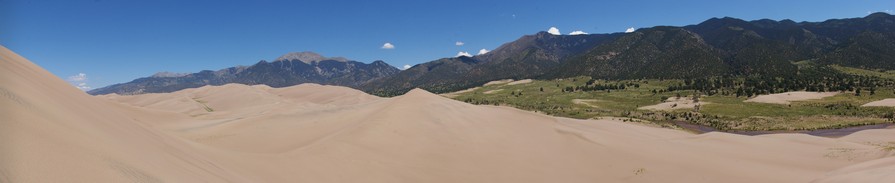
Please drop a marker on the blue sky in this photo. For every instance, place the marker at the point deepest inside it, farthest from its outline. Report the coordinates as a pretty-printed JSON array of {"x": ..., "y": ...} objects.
[{"x": 115, "y": 41}]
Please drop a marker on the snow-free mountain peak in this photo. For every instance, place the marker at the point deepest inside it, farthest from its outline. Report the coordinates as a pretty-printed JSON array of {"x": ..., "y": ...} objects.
[{"x": 308, "y": 57}]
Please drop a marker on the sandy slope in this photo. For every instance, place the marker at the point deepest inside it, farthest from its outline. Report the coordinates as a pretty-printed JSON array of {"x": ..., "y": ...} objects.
[
  {"x": 52, "y": 132},
  {"x": 786, "y": 98},
  {"x": 457, "y": 93},
  {"x": 889, "y": 102},
  {"x": 498, "y": 82},
  {"x": 524, "y": 81},
  {"x": 880, "y": 170},
  {"x": 310, "y": 133}
]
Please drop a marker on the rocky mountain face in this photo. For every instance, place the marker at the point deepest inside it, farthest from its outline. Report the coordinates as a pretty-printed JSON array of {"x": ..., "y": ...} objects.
[
  {"x": 289, "y": 69},
  {"x": 729, "y": 46},
  {"x": 440, "y": 75},
  {"x": 528, "y": 56},
  {"x": 308, "y": 57},
  {"x": 658, "y": 51},
  {"x": 715, "y": 47},
  {"x": 533, "y": 55}
]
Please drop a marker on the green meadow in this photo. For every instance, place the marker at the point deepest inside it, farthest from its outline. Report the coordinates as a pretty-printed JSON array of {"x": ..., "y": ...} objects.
[{"x": 723, "y": 112}]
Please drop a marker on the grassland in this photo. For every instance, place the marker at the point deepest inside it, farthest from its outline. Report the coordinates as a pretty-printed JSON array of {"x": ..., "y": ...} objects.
[
  {"x": 864, "y": 72},
  {"x": 723, "y": 112}
]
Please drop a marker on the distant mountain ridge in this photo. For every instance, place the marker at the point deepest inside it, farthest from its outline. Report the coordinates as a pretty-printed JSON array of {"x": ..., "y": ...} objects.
[
  {"x": 168, "y": 74},
  {"x": 662, "y": 51},
  {"x": 308, "y": 57},
  {"x": 715, "y": 47},
  {"x": 762, "y": 47},
  {"x": 289, "y": 69},
  {"x": 528, "y": 56}
]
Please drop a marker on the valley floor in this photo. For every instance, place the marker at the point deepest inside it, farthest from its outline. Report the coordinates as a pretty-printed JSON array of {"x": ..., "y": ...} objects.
[{"x": 651, "y": 100}]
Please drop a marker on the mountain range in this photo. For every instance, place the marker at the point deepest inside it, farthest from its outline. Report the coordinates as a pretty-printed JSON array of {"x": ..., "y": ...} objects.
[
  {"x": 287, "y": 70},
  {"x": 715, "y": 47},
  {"x": 529, "y": 56}
]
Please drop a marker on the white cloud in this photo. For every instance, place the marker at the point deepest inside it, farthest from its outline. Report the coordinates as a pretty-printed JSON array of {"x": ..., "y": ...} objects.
[
  {"x": 630, "y": 30},
  {"x": 483, "y": 51},
  {"x": 458, "y": 43},
  {"x": 553, "y": 30},
  {"x": 463, "y": 53},
  {"x": 79, "y": 77},
  {"x": 83, "y": 86},
  {"x": 79, "y": 81},
  {"x": 406, "y": 67},
  {"x": 388, "y": 46},
  {"x": 577, "y": 33}
]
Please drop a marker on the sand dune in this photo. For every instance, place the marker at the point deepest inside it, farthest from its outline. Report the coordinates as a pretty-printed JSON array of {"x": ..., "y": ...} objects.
[
  {"x": 53, "y": 132},
  {"x": 786, "y": 98},
  {"x": 871, "y": 171}
]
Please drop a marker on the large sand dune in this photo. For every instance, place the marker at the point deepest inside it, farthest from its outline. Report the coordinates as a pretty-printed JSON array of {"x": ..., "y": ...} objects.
[{"x": 52, "y": 132}]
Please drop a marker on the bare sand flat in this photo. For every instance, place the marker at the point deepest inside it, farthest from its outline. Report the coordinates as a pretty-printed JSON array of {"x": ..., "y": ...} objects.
[
  {"x": 675, "y": 103},
  {"x": 786, "y": 98},
  {"x": 497, "y": 82},
  {"x": 889, "y": 102},
  {"x": 457, "y": 93},
  {"x": 524, "y": 81},
  {"x": 53, "y": 132}
]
